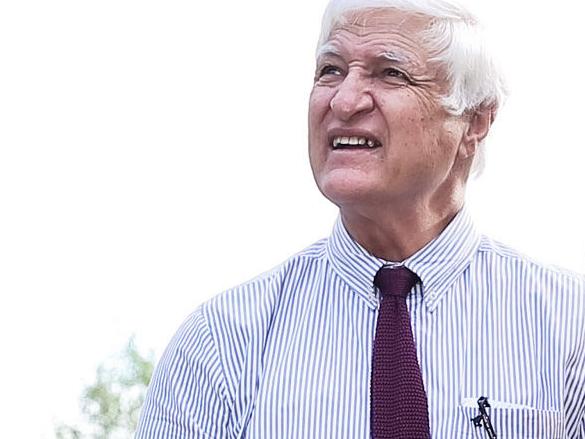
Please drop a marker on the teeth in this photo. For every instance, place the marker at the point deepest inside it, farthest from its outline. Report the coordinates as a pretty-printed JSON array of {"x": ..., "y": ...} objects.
[{"x": 353, "y": 141}]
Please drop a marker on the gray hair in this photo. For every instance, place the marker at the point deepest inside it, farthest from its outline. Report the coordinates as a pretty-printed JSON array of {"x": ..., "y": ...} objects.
[{"x": 458, "y": 41}]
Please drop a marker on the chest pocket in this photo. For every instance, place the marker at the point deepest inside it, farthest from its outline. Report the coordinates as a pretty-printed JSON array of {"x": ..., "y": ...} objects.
[{"x": 516, "y": 423}]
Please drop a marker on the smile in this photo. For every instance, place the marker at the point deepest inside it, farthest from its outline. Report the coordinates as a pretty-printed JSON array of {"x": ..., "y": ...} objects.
[{"x": 339, "y": 142}]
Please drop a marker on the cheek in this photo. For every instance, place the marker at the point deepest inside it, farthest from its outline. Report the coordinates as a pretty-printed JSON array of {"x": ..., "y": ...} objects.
[
  {"x": 412, "y": 106},
  {"x": 314, "y": 119},
  {"x": 318, "y": 110},
  {"x": 318, "y": 106}
]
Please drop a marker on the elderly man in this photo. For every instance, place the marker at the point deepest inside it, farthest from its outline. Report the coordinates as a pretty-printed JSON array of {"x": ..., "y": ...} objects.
[{"x": 405, "y": 317}]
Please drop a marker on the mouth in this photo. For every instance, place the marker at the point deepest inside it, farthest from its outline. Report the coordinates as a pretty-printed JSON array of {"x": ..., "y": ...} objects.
[{"x": 354, "y": 142}]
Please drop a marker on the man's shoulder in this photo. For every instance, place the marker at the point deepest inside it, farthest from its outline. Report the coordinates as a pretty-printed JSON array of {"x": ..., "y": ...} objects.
[
  {"x": 262, "y": 290},
  {"x": 237, "y": 318},
  {"x": 314, "y": 253},
  {"x": 518, "y": 262},
  {"x": 556, "y": 294}
]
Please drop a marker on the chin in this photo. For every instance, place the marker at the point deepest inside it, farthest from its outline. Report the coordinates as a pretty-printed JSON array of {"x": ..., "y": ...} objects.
[{"x": 343, "y": 190}]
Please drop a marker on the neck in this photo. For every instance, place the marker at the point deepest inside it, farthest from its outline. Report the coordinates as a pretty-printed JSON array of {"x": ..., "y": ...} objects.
[{"x": 397, "y": 232}]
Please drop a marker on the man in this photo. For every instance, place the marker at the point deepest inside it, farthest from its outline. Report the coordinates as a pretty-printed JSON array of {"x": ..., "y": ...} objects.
[{"x": 399, "y": 322}]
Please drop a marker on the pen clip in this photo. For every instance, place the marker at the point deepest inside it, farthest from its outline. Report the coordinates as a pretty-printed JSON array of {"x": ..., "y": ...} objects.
[{"x": 483, "y": 419}]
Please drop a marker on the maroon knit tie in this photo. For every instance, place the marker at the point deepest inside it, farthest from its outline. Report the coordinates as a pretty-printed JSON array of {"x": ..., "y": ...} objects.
[{"x": 399, "y": 402}]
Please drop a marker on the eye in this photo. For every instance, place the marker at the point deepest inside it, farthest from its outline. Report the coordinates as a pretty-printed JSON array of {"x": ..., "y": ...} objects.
[
  {"x": 395, "y": 73},
  {"x": 329, "y": 70}
]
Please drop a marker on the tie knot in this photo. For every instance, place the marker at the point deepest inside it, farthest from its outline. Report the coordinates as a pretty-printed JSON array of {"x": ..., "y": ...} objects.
[{"x": 395, "y": 281}]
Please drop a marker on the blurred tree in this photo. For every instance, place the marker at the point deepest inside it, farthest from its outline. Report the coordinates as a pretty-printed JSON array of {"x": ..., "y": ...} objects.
[{"x": 112, "y": 404}]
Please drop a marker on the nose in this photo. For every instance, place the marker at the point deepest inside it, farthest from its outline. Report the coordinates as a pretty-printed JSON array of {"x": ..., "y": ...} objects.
[{"x": 352, "y": 98}]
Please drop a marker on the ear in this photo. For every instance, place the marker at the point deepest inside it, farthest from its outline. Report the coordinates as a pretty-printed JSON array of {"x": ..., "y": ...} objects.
[{"x": 480, "y": 120}]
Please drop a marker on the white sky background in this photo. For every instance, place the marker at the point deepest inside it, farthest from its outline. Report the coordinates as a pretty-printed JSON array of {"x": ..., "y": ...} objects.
[{"x": 153, "y": 154}]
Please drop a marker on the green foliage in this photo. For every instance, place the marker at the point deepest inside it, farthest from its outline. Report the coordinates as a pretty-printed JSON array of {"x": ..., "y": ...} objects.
[
  {"x": 112, "y": 404},
  {"x": 67, "y": 432}
]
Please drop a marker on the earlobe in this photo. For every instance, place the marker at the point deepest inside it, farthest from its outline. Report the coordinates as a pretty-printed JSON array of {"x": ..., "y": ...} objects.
[{"x": 468, "y": 148}]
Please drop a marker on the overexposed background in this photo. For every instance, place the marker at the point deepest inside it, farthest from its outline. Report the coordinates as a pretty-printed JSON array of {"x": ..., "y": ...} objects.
[{"x": 154, "y": 153}]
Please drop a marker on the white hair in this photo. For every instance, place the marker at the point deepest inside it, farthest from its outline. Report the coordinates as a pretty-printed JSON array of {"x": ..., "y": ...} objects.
[{"x": 457, "y": 40}]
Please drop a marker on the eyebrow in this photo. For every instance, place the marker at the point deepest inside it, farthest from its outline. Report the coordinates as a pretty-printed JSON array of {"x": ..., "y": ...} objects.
[
  {"x": 329, "y": 49},
  {"x": 394, "y": 57}
]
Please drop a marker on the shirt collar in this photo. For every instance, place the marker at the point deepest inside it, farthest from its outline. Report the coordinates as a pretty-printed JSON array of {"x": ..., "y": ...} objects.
[{"x": 438, "y": 264}]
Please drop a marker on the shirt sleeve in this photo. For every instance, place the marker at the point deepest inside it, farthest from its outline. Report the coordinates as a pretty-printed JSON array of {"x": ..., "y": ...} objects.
[
  {"x": 187, "y": 397},
  {"x": 575, "y": 378}
]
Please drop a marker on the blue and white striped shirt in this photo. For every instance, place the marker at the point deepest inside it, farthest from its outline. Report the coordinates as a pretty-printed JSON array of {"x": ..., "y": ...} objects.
[{"x": 288, "y": 354}]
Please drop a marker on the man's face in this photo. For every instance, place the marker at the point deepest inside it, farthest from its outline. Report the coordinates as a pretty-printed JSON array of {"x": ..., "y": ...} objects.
[{"x": 376, "y": 86}]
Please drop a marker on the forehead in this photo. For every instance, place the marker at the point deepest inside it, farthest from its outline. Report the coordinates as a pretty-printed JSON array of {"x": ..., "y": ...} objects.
[{"x": 377, "y": 30}]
